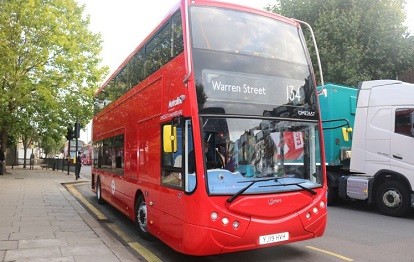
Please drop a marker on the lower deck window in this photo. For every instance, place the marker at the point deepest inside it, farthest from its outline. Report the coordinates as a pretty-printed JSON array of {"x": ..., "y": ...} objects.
[{"x": 109, "y": 154}]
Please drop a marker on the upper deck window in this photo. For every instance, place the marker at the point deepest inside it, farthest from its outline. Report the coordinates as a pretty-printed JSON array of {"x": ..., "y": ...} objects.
[
  {"x": 160, "y": 49},
  {"x": 249, "y": 64},
  {"x": 245, "y": 33}
]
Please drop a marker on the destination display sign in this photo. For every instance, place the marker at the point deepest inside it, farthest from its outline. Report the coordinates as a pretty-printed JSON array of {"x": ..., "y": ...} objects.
[{"x": 248, "y": 88}]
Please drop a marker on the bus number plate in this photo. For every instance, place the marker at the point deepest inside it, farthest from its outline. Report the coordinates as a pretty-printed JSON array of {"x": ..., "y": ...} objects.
[{"x": 267, "y": 239}]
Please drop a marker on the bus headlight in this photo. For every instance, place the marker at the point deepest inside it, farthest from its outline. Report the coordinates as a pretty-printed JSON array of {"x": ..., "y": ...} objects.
[
  {"x": 225, "y": 221},
  {"x": 214, "y": 216},
  {"x": 236, "y": 224}
]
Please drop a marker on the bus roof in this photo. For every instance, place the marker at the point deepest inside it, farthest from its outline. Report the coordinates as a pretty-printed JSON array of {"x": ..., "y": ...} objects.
[{"x": 194, "y": 2}]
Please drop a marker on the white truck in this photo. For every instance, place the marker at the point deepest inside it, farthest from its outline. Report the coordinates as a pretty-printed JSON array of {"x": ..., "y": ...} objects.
[{"x": 381, "y": 166}]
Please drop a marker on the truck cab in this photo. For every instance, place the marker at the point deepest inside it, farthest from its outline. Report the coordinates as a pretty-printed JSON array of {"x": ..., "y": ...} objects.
[{"x": 381, "y": 169}]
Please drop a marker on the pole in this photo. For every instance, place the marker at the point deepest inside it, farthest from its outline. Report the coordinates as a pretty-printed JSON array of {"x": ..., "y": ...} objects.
[
  {"x": 76, "y": 157},
  {"x": 68, "y": 156},
  {"x": 77, "y": 171}
]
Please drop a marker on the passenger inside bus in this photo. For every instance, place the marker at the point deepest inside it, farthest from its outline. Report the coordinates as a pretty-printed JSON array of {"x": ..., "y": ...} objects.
[
  {"x": 214, "y": 159},
  {"x": 214, "y": 153},
  {"x": 174, "y": 179}
]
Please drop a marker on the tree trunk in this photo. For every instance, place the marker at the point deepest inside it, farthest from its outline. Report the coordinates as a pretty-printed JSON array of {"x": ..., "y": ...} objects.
[
  {"x": 3, "y": 138},
  {"x": 24, "y": 155}
]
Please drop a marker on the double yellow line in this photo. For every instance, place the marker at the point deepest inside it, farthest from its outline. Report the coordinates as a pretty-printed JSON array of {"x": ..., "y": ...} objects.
[
  {"x": 330, "y": 253},
  {"x": 144, "y": 252}
]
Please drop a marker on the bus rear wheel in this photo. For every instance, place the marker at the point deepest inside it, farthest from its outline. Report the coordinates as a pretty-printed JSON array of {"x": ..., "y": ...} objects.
[
  {"x": 393, "y": 198},
  {"x": 141, "y": 215}
]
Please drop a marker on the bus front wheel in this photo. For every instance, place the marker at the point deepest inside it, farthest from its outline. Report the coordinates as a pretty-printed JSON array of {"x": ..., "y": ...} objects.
[{"x": 141, "y": 215}]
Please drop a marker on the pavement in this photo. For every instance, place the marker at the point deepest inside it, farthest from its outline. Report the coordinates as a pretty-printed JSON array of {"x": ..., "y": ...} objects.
[{"x": 41, "y": 221}]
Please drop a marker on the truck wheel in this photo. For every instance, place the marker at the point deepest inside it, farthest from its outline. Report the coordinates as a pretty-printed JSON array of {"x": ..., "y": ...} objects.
[
  {"x": 393, "y": 198},
  {"x": 332, "y": 196},
  {"x": 333, "y": 188},
  {"x": 141, "y": 216}
]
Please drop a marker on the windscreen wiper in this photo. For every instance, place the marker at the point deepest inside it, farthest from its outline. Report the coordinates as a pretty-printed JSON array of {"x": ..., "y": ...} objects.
[
  {"x": 310, "y": 190},
  {"x": 252, "y": 182}
]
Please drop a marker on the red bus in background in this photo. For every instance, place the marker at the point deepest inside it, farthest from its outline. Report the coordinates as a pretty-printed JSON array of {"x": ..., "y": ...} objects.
[
  {"x": 86, "y": 156},
  {"x": 72, "y": 153},
  {"x": 209, "y": 137}
]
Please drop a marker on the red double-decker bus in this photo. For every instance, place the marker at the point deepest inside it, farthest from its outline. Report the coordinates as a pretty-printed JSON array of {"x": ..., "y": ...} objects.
[
  {"x": 209, "y": 136},
  {"x": 86, "y": 156}
]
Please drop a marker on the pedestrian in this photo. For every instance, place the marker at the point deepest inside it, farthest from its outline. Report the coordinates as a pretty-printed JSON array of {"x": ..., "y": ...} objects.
[
  {"x": 1, "y": 160},
  {"x": 78, "y": 165},
  {"x": 31, "y": 160}
]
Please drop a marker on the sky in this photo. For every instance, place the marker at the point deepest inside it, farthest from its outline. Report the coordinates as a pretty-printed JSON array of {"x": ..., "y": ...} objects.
[{"x": 123, "y": 24}]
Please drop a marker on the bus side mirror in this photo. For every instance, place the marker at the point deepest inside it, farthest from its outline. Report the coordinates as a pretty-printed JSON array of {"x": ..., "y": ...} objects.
[
  {"x": 169, "y": 139},
  {"x": 345, "y": 133}
]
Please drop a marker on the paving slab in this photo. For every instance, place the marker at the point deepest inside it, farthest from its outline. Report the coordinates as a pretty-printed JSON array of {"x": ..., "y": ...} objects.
[{"x": 41, "y": 221}]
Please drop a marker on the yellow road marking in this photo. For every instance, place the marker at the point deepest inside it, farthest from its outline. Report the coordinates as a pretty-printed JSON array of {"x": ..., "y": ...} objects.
[
  {"x": 124, "y": 236},
  {"x": 148, "y": 255},
  {"x": 76, "y": 193},
  {"x": 144, "y": 252},
  {"x": 330, "y": 253}
]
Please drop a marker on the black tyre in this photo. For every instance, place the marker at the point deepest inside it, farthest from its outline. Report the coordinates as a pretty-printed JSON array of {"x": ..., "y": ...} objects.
[
  {"x": 333, "y": 190},
  {"x": 141, "y": 215},
  {"x": 333, "y": 197},
  {"x": 99, "y": 192},
  {"x": 393, "y": 198}
]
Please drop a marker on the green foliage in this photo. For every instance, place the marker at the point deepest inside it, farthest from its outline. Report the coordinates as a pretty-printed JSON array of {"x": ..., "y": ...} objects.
[
  {"x": 357, "y": 40},
  {"x": 52, "y": 147},
  {"x": 49, "y": 68}
]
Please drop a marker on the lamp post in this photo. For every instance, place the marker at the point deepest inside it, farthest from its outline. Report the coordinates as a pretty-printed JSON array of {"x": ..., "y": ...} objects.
[
  {"x": 77, "y": 132},
  {"x": 69, "y": 136}
]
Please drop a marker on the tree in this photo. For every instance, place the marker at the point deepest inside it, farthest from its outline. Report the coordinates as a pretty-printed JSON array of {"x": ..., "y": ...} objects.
[
  {"x": 357, "y": 40},
  {"x": 49, "y": 68},
  {"x": 52, "y": 147}
]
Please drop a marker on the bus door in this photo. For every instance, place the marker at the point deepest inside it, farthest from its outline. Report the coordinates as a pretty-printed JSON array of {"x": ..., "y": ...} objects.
[
  {"x": 177, "y": 152},
  {"x": 148, "y": 169}
]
